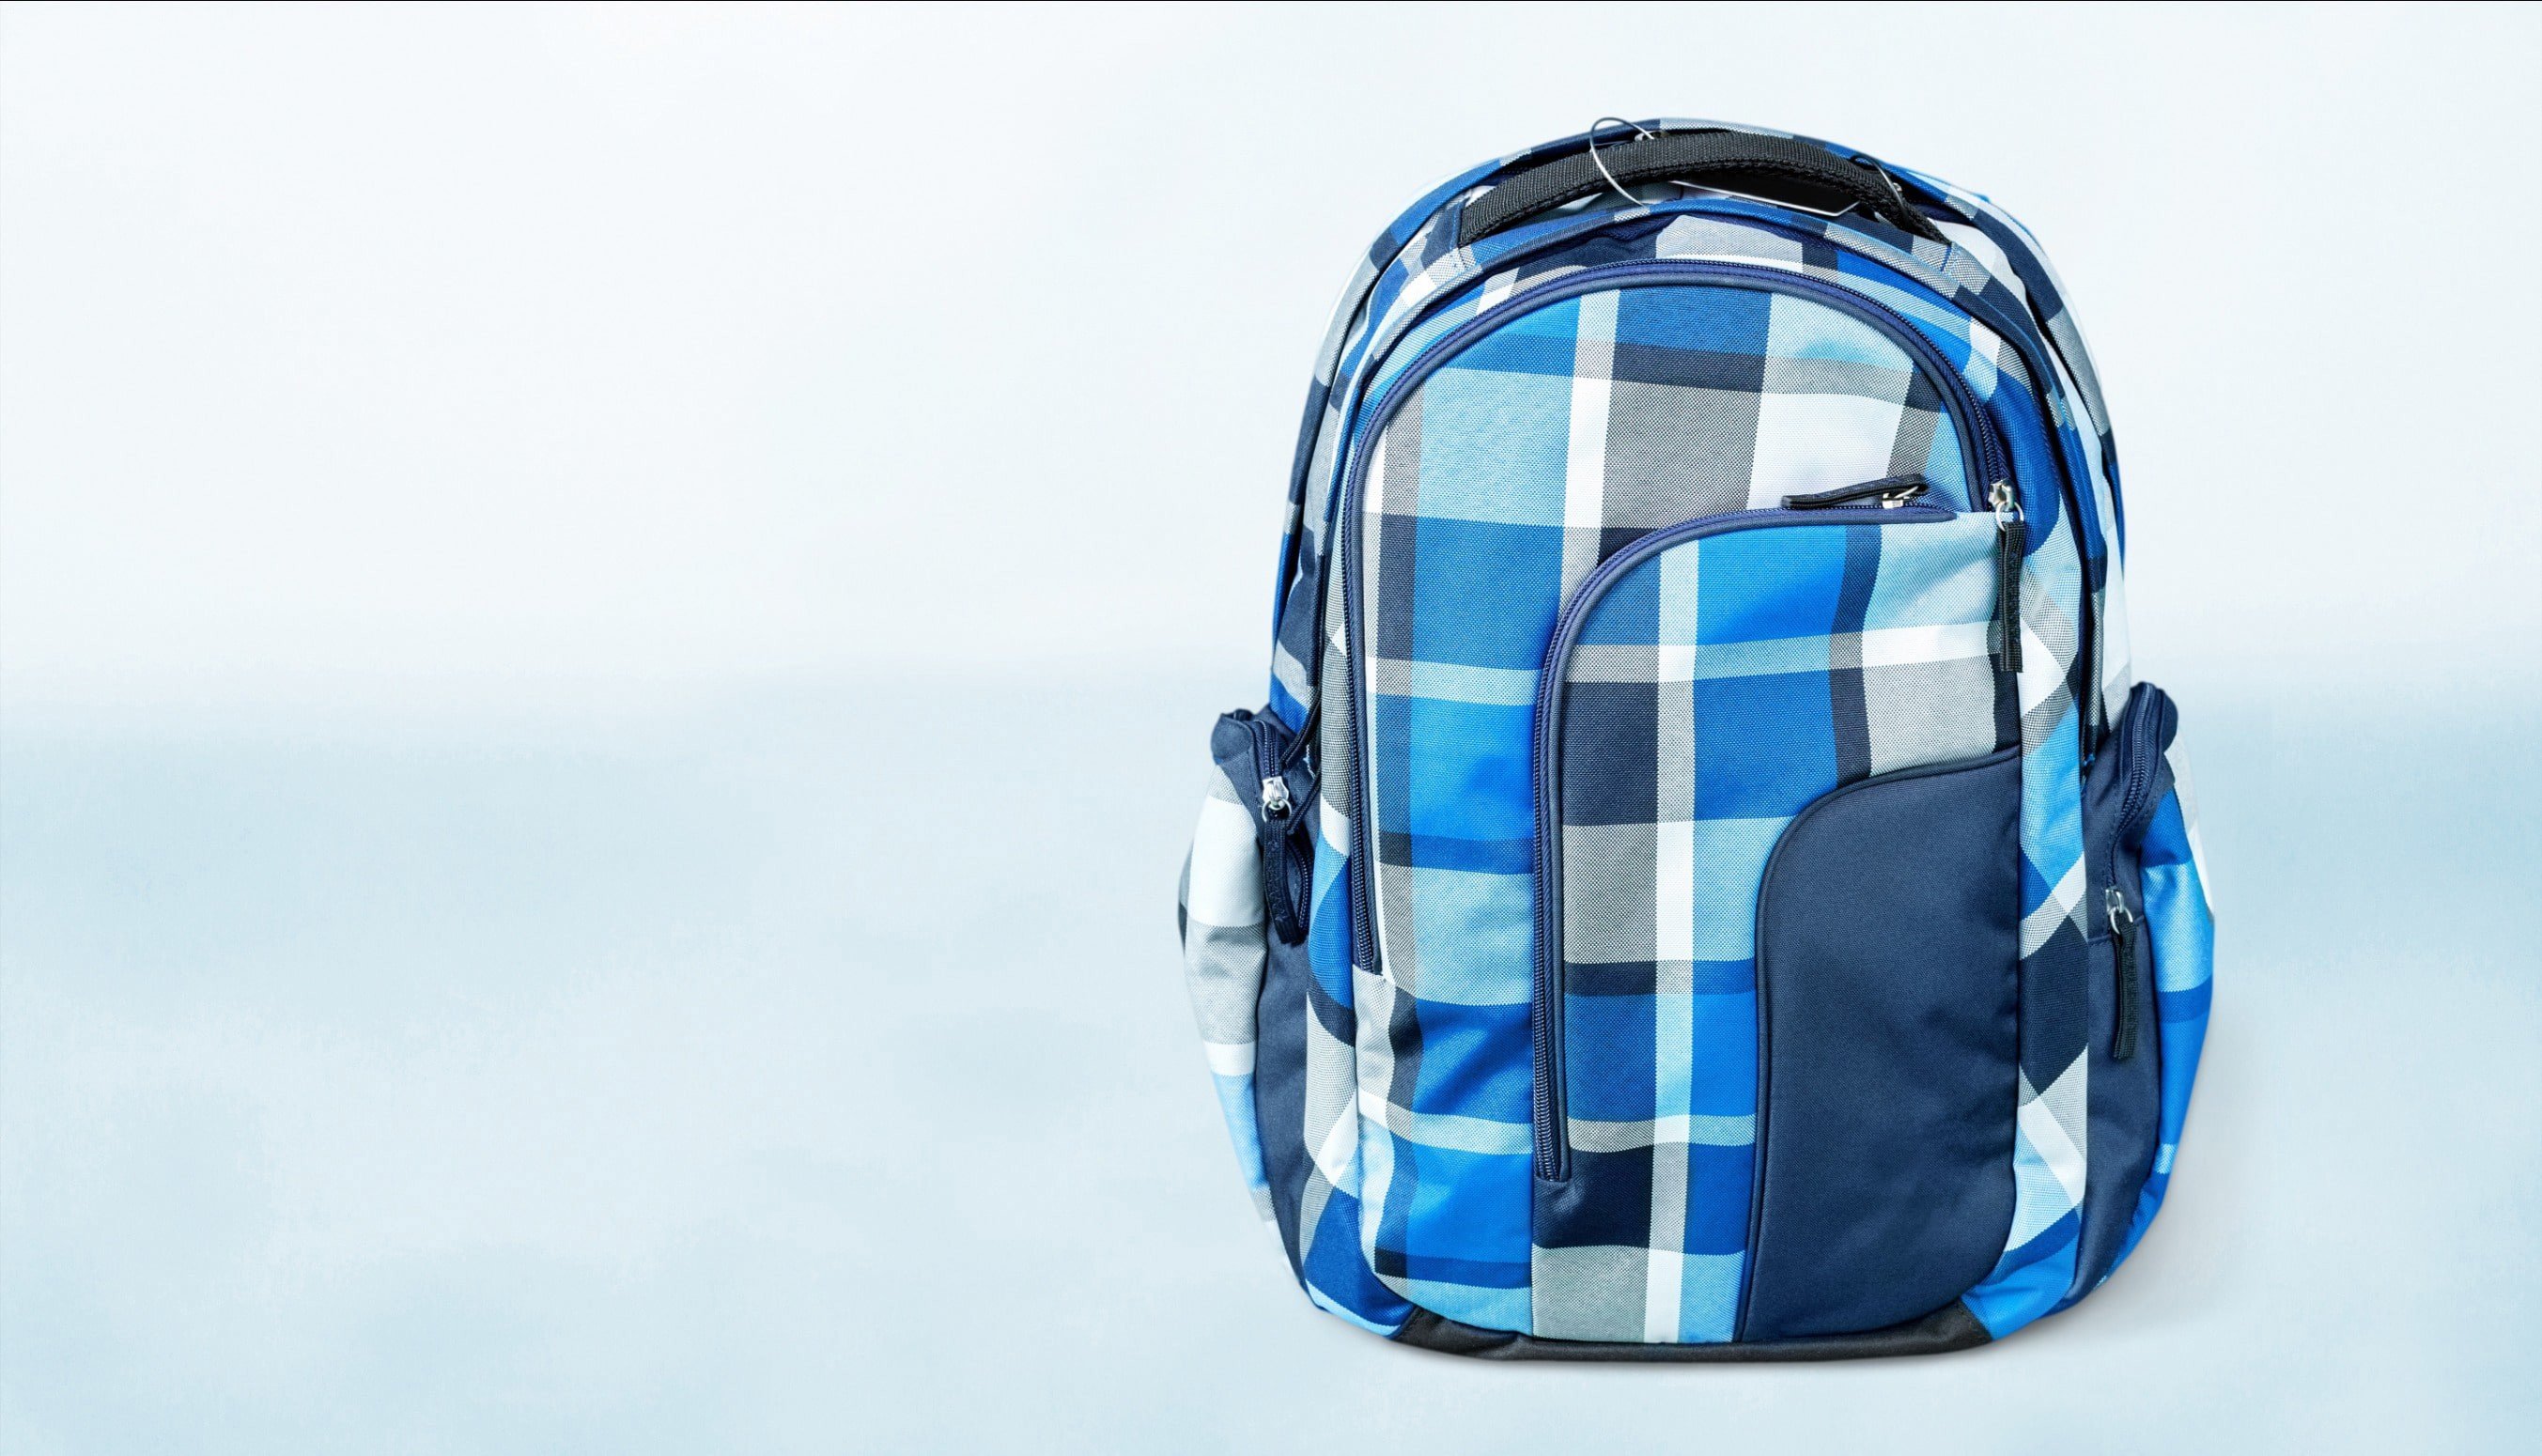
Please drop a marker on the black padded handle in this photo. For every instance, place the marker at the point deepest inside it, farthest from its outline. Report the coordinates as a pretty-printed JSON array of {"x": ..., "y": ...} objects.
[{"x": 1776, "y": 167}]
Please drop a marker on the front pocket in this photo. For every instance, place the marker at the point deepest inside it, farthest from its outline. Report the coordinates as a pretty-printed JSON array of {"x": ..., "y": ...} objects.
[
  {"x": 1888, "y": 966},
  {"x": 1704, "y": 687}
]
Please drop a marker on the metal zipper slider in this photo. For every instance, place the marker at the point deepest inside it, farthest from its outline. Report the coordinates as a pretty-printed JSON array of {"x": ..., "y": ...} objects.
[
  {"x": 1275, "y": 797},
  {"x": 2008, "y": 506}
]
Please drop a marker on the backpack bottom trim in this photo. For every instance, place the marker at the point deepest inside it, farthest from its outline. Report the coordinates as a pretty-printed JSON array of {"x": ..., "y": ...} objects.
[{"x": 1947, "y": 1329}]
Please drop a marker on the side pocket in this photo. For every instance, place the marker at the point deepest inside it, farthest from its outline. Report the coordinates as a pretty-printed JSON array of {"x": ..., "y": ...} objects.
[
  {"x": 2179, "y": 946},
  {"x": 1243, "y": 899},
  {"x": 1887, "y": 963},
  {"x": 2153, "y": 960}
]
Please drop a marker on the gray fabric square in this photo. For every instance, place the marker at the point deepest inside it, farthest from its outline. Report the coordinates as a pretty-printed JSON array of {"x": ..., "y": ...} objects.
[
  {"x": 1609, "y": 892},
  {"x": 1674, "y": 453},
  {"x": 1929, "y": 712},
  {"x": 1591, "y": 1293}
]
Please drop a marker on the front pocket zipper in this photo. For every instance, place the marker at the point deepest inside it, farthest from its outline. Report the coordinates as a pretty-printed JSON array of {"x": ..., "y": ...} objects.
[
  {"x": 1841, "y": 507},
  {"x": 1896, "y": 490}
]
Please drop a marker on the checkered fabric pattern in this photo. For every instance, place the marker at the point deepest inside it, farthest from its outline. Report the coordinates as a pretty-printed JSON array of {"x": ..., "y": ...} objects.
[
  {"x": 2039, "y": 1261},
  {"x": 1717, "y": 688},
  {"x": 1418, "y": 1070},
  {"x": 1554, "y": 440},
  {"x": 1333, "y": 1259}
]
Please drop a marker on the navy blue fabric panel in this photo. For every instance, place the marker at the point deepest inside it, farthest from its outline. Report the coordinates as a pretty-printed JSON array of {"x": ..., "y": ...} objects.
[
  {"x": 1888, "y": 953},
  {"x": 1280, "y": 1080},
  {"x": 2127, "y": 1096}
]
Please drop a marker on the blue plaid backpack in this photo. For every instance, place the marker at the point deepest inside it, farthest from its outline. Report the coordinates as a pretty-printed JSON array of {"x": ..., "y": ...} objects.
[{"x": 1705, "y": 884}]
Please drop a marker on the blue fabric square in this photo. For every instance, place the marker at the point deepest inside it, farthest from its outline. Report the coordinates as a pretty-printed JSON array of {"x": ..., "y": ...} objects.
[
  {"x": 1475, "y": 779},
  {"x": 1717, "y": 1201},
  {"x": 1933, "y": 574},
  {"x": 1609, "y": 1043},
  {"x": 1769, "y": 745},
  {"x": 1389, "y": 732},
  {"x": 1541, "y": 340},
  {"x": 1468, "y": 1206},
  {"x": 1328, "y": 946},
  {"x": 1475, "y": 1061},
  {"x": 1722, "y": 1080},
  {"x": 1505, "y": 627},
  {"x": 1759, "y": 585}
]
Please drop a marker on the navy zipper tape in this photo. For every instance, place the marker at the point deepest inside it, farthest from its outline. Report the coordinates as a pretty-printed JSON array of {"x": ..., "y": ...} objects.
[
  {"x": 1974, "y": 428},
  {"x": 1545, "y": 1011},
  {"x": 2141, "y": 766},
  {"x": 2140, "y": 762}
]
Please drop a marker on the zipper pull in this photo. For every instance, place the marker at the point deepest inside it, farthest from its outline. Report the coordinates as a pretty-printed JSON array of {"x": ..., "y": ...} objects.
[
  {"x": 2123, "y": 954},
  {"x": 2008, "y": 542},
  {"x": 1288, "y": 884},
  {"x": 1891, "y": 494}
]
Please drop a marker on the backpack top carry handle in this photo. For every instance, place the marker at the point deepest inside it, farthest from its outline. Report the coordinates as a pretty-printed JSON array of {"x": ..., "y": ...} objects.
[{"x": 1776, "y": 168}]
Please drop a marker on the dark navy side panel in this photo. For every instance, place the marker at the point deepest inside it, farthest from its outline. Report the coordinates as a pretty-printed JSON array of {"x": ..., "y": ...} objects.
[
  {"x": 1888, "y": 948},
  {"x": 1289, "y": 994}
]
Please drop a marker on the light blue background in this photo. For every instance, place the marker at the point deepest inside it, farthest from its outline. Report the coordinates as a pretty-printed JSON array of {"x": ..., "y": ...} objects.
[{"x": 605, "y": 667}]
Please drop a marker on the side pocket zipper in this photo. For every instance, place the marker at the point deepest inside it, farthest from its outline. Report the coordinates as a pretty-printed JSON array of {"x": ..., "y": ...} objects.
[
  {"x": 1279, "y": 828},
  {"x": 2123, "y": 957},
  {"x": 2137, "y": 737}
]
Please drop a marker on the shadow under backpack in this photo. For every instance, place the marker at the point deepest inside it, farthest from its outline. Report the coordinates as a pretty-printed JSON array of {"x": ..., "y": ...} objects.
[{"x": 1705, "y": 885}]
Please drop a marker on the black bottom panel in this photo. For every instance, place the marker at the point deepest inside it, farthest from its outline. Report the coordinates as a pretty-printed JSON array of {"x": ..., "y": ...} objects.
[{"x": 1949, "y": 1328}]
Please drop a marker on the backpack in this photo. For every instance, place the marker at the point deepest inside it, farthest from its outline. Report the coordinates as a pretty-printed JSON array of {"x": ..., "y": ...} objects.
[{"x": 1705, "y": 885}]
